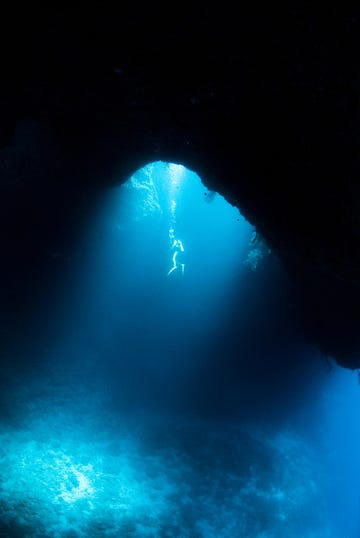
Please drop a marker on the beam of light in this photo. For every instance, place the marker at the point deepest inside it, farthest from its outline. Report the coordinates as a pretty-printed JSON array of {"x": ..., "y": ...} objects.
[
  {"x": 177, "y": 200},
  {"x": 161, "y": 261},
  {"x": 82, "y": 452},
  {"x": 176, "y": 175}
]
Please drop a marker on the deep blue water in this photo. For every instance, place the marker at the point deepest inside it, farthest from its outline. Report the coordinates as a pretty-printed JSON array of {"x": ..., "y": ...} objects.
[{"x": 176, "y": 396}]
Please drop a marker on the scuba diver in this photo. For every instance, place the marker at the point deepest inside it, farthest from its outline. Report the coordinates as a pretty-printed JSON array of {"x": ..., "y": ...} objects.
[{"x": 178, "y": 255}]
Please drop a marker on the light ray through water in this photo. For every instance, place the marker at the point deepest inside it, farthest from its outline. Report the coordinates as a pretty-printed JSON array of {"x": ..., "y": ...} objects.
[{"x": 105, "y": 438}]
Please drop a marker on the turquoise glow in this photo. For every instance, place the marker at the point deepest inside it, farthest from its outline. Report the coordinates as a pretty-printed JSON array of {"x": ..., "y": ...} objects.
[
  {"x": 72, "y": 469},
  {"x": 155, "y": 409}
]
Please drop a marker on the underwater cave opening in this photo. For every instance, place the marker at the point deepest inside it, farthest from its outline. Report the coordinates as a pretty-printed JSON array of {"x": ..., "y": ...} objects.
[{"x": 179, "y": 397}]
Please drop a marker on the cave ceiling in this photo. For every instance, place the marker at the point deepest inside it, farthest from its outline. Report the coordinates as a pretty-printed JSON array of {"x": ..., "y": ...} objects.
[{"x": 263, "y": 106}]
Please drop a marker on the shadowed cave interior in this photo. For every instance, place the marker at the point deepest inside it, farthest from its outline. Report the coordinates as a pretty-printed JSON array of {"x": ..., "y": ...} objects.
[{"x": 180, "y": 276}]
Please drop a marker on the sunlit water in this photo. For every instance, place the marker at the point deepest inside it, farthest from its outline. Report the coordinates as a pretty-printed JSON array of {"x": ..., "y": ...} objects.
[{"x": 169, "y": 400}]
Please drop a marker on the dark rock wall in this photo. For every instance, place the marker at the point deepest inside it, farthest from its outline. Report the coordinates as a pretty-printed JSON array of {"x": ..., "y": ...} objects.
[{"x": 263, "y": 106}]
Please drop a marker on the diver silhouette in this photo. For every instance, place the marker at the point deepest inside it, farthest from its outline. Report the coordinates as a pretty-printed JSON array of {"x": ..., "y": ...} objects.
[{"x": 177, "y": 257}]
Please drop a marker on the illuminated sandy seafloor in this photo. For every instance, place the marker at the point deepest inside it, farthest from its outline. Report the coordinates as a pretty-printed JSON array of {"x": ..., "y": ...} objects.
[{"x": 71, "y": 468}]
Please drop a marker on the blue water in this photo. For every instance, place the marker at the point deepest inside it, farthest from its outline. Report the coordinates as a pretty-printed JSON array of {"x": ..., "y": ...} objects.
[{"x": 176, "y": 397}]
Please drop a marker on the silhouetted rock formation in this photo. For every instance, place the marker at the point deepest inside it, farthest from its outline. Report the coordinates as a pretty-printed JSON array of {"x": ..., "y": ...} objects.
[{"x": 263, "y": 106}]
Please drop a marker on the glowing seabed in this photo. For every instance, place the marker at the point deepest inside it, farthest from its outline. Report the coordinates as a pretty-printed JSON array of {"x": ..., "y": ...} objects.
[{"x": 68, "y": 468}]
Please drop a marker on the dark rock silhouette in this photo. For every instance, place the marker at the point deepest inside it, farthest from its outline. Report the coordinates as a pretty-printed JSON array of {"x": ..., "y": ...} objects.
[{"x": 263, "y": 106}]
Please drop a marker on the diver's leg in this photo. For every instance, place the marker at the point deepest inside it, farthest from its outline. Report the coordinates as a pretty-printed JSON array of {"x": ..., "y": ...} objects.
[
  {"x": 174, "y": 264},
  {"x": 171, "y": 270}
]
